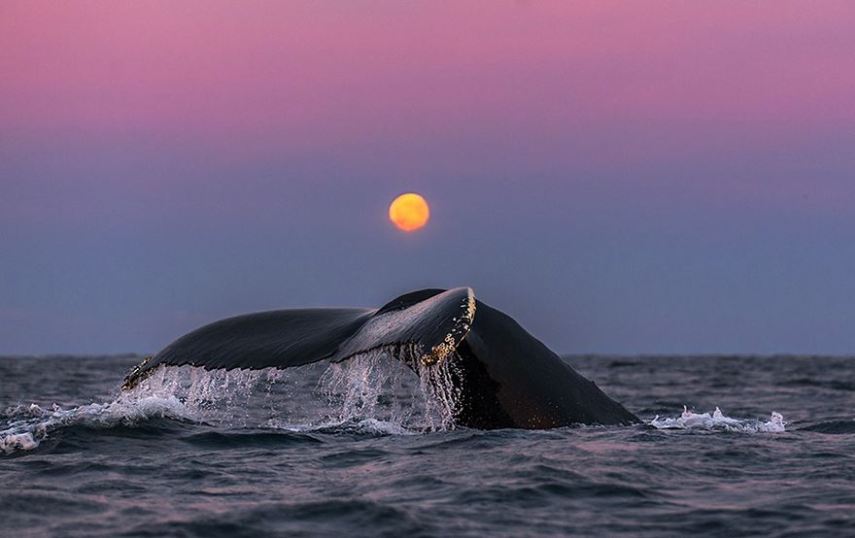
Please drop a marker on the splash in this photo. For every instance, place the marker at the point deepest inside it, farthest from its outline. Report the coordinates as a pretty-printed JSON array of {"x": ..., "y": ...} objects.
[
  {"x": 373, "y": 393},
  {"x": 718, "y": 421},
  {"x": 377, "y": 386},
  {"x": 442, "y": 394},
  {"x": 230, "y": 397},
  {"x": 31, "y": 425}
]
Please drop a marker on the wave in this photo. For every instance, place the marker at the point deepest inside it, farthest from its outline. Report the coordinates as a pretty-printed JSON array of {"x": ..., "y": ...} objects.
[
  {"x": 718, "y": 421},
  {"x": 832, "y": 427},
  {"x": 831, "y": 384},
  {"x": 370, "y": 394},
  {"x": 26, "y": 427},
  {"x": 30, "y": 428}
]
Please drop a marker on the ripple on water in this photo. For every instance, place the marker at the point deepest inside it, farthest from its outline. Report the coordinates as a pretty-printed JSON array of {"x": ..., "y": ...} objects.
[{"x": 261, "y": 453}]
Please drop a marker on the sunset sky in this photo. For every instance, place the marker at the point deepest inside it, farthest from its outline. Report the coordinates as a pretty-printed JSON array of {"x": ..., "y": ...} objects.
[{"x": 629, "y": 177}]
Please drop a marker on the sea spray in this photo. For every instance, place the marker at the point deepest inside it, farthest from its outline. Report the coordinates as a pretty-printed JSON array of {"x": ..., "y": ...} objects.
[
  {"x": 27, "y": 432},
  {"x": 383, "y": 391},
  {"x": 437, "y": 382},
  {"x": 718, "y": 421},
  {"x": 374, "y": 386},
  {"x": 236, "y": 398}
]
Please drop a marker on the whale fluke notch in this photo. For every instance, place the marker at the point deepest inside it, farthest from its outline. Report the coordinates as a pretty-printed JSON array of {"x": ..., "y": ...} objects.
[{"x": 505, "y": 376}]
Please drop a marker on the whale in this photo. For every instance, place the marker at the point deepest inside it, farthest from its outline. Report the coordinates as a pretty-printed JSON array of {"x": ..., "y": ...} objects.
[{"x": 503, "y": 377}]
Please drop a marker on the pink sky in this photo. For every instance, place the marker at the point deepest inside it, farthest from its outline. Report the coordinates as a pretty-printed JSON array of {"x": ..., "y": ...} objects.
[
  {"x": 714, "y": 138},
  {"x": 321, "y": 73}
]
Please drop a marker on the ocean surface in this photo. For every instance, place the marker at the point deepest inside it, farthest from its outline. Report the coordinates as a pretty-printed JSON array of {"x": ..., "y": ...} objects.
[{"x": 765, "y": 446}]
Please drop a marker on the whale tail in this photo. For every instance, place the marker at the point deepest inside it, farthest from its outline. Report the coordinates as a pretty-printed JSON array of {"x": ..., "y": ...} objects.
[
  {"x": 506, "y": 376},
  {"x": 426, "y": 325}
]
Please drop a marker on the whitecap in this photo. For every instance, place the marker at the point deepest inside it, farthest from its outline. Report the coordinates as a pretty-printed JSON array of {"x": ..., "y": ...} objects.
[
  {"x": 718, "y": 421},
  {"x": 32, "y": 424}
]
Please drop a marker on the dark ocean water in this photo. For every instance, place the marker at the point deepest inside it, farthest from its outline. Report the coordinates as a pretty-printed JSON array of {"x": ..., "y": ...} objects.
[{"x": 359, "y": 451}]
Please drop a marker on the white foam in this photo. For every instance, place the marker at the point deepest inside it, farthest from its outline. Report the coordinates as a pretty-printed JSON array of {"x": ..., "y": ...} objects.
[
  {"x": 718, "y": 421},
  {"x": 375, "y": 426},
  {"x": 371, "y": 426},
  {"x": 17, "y": 441},
  {"x": 28, "y": 432}
]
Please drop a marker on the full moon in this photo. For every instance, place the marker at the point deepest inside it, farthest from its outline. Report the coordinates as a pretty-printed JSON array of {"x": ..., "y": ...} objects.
[{"x": 409, "y": 212}]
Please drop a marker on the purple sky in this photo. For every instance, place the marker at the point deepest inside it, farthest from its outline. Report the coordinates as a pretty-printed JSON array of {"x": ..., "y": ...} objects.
[{"x": 619, "y": 176}]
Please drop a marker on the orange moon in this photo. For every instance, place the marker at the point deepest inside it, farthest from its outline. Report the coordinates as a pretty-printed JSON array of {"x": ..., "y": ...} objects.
[{"x": 409, "y": 212}]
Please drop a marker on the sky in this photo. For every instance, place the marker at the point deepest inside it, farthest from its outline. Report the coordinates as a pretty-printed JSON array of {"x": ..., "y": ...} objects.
[{"x": 621, "y": 177}]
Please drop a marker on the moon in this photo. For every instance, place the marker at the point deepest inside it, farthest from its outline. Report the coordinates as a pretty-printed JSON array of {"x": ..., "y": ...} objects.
[{"x": 409, "y": 212}]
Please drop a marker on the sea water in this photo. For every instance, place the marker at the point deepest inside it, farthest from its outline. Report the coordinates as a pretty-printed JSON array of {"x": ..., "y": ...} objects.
[{"x": 729, "y": 446}]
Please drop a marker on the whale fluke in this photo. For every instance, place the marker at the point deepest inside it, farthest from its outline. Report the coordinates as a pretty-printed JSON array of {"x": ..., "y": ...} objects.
[
  {"x": 428, "y": 323},
  {"x": 505, "y": 376}
]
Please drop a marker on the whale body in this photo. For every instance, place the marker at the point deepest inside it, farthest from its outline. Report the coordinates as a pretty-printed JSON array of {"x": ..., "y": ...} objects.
[{"x": 502, "y": 375}]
